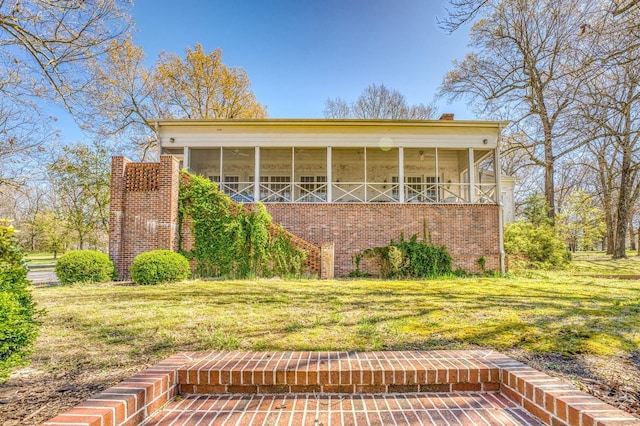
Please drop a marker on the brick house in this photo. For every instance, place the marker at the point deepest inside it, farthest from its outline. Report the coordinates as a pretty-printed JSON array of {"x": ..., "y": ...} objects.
[{"x": 354, "y": 183}]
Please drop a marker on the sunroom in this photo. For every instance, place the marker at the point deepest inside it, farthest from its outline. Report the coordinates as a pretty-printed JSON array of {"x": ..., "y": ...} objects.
[{"x": 341, "y": 161}]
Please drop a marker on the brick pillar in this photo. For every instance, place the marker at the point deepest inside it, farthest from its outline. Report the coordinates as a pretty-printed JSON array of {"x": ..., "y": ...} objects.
[
  {"x": 144, "y": 209},
  {"x": 327, "y": 261},
  {"x": 116, "y": 210},
  {"x": 169, "y": 188}
]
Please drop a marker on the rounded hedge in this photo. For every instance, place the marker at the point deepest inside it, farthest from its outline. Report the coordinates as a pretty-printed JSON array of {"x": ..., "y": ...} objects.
[
  {"x": 85, "y": 266},
  {"x": 159, "y": 266}
]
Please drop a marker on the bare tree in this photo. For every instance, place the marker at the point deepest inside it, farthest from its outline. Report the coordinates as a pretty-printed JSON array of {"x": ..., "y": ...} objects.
[
  {"x": 461, "y": 12},
  {"x": 122, "y": 100},
  {"x": 378, "y": 102},
  {"x": 127, "y": 96},
  {"x": 524, "y": 62},
  {"x": 44, "y": 48},
  {"x": 613, "y": 111},
  {"x": 52, "y": 40}
]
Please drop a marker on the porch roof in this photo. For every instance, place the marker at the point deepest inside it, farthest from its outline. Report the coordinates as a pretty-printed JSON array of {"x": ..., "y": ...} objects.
[{"x": 328, "y": 132}]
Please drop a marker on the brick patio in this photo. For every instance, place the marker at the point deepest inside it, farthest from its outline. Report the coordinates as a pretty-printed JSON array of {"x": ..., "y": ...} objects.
[{"x": 336, "y": 388}]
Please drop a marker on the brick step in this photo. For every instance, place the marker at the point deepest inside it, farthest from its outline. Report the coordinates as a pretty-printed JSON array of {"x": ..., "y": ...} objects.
[
  {"x": 235, "y": 384},
  {"x": 339, "y": 372},
  {"x": 461, "y": 409}
]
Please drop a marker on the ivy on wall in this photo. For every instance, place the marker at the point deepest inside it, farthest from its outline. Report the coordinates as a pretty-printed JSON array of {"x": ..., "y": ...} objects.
[
  {"x": 231, "y": 241},
  {"x": 408, "y": 259}
]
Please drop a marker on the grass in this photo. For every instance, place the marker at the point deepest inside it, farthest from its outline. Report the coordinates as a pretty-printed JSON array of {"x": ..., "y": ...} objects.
[
  {"x": 37, "y": 258},
  {"x": 106, "y": 326},
  {"x": 598, "y": 263}
]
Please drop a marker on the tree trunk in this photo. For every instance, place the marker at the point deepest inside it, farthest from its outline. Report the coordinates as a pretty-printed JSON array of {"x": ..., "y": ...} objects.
[
  {"x": 624, "y": 205},
  {"x": 632, "y": 237},
  {"x": 549, "y": 188},
  {"x": 611, "y": 231}
]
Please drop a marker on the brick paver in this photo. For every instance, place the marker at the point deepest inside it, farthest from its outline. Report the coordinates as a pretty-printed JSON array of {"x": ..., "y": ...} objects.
[{"x": 325, "y": 410}]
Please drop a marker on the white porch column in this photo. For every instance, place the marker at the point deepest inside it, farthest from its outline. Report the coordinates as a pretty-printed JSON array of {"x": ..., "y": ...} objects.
[
  {"x": 221, "y": 169},
  {"x": 293, "y": 175},
  {"x": 472, "y": 178},
  {"x": 401, "y": 173},
  {"x": 329, "y": 176},
  {"x": 364, "y": 154},
  {"x": 256, "y": 175},
  {"x": 438, "y": 183},
  {"x": 186, "y": 158},
  {"x": 497, "y": 172}
]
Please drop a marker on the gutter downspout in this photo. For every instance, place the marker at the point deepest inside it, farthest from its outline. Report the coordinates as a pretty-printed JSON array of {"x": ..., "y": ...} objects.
[{"x": 498, "y": 174}]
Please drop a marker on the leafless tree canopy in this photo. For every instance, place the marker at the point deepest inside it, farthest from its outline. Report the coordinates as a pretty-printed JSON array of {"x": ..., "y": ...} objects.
[
  {"x": 45, "y": 46},
  {"x": 378, "y": 102},
  {"x": 566, "y": 73}
]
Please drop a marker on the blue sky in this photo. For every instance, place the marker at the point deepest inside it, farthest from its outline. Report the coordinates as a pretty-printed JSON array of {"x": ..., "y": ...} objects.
[{"x": 299, "y": 53}]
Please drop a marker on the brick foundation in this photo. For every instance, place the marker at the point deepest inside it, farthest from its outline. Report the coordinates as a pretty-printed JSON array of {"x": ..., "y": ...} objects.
[
  {"x": 144, "y": 216},
  {"x": 469, "y": 231}
]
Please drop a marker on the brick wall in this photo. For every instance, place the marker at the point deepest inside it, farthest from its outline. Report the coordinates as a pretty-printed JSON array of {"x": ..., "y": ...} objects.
[
  {"x": 469, "y": 231},
  {"x": 144, "y": 209},
  {"x": 144, "y": 216}
]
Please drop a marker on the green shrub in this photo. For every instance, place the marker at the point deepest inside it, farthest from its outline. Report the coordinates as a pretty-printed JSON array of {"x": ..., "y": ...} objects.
[
  {"x": 159, "y": 266},
  {"x": 408, "y": 259},
  {"x": 539, "y": 245},
  {"x": 423, "y": 259},
  {"x": 18, "y": 314},
  {"x": 85, "y": 266}
]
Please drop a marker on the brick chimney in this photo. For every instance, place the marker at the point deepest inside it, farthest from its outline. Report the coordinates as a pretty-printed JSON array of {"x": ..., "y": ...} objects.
[{"x": 446, "y": 116}]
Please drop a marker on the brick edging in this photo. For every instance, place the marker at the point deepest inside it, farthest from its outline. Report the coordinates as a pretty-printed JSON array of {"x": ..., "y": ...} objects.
[
  {"x": 129, "y": 402},
  {"x": 552, "y": 400}
]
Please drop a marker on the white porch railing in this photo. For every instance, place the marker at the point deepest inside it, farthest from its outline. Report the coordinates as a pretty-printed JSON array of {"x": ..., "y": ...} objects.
[
  {"x": 486, "y": 193},
  {"x": 359, "y": 192},
  {"x": 349, "y": 192},
  {"x": 383, "y": 192},
  {"x": 310, "y": 192},
  {"x": 242, "y": 192}
]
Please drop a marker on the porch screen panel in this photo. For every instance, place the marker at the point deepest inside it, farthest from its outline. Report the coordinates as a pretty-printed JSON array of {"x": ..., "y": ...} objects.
[
  {"x": 347, "y": 171},
  {"x": 237, "y": 168},
  {"x": 310, "y": 175},
  {"x": 206, "y": 162},
  {"x": 485, "y": 172},
  {"x": 275, "y": 174},
  {"x": 382, "y": 166},
  {"x": 453, "y": 165},
  {"x": 421, "y": 175}
]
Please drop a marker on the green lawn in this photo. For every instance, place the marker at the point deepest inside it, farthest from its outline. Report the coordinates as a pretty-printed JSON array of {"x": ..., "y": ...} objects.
[
  {"x": 105, "y": 326},
  {"x": 41, "y": 258},
  {"x": 598, "y": 263}
]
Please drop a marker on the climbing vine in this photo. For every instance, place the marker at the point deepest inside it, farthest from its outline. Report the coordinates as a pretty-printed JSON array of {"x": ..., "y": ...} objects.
[
  {"x": 229, "y": 240},
  {"x": 407, "y": 259}
]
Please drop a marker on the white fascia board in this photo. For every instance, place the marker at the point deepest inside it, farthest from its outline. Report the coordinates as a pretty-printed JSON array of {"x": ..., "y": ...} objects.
[{"x": 206, "y": 140}]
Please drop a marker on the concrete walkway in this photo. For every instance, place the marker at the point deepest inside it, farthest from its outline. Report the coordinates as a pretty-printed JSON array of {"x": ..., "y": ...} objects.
[{"x": 42, "y": 277}]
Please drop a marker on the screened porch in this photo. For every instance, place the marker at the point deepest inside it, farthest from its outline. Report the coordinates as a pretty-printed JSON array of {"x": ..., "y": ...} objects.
[{"x": 349, "y": 175}]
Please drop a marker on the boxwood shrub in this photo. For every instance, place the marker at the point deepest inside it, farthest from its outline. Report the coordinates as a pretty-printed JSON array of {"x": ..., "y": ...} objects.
[
  {"x": 85, "y": 266},
  {"x": 159, "y": 266},
  {"x": 19, "y": 317}
]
